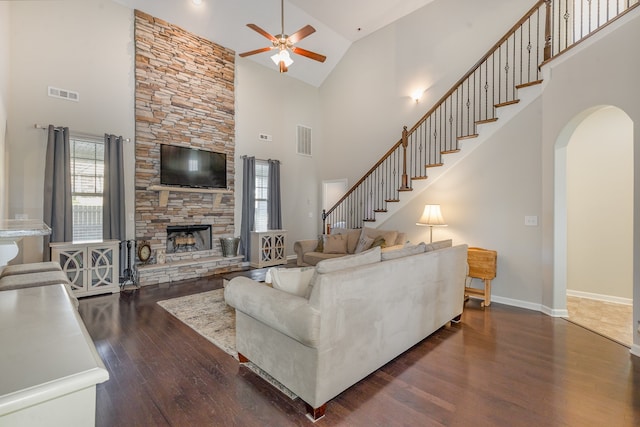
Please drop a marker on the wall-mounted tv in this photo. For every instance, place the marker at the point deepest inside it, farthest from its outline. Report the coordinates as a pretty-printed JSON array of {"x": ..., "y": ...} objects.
[{"x": 190, "y": 167}]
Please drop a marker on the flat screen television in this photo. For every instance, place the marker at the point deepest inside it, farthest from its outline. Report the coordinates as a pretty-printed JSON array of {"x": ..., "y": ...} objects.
[{"x": 190, "y": 167}]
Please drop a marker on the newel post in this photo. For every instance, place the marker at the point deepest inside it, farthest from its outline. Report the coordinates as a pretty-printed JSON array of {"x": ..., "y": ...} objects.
[
  {"x": 547, "y": 30},
  {"x": 405, "y": 144},
  {"x": 324, "y": 221}
]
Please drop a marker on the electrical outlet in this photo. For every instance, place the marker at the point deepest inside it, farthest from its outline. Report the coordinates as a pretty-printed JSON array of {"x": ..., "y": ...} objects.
[
  {"x": 264, "y": 137},
  {"x": 531, "y": 220}
]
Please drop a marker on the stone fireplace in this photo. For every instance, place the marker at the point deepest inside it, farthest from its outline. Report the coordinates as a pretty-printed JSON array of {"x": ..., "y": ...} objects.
[{"x": 184, "y": 94}]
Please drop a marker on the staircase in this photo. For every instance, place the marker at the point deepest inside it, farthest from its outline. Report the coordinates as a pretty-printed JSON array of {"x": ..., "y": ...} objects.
[{"x": 502, "y": 83}]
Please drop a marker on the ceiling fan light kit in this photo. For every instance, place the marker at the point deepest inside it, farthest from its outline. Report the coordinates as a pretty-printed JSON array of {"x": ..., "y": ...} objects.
[{"x": 285, "y": 44}]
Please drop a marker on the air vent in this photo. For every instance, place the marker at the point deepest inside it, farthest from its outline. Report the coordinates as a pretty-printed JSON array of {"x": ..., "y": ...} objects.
[
  {"x": 69, "y": 95},
  {"x": 303, "y": 139}
]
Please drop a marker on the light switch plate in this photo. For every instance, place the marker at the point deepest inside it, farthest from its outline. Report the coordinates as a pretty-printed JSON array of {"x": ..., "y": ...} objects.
[{"x": 531, "y": 220}]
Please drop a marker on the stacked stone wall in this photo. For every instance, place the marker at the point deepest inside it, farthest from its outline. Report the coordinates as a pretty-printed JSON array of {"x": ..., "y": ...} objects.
[{"x": 184, "y": 95}]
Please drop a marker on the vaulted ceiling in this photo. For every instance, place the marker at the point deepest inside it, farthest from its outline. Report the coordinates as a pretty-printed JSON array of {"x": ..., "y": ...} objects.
[{"x": 338, "y": 23}]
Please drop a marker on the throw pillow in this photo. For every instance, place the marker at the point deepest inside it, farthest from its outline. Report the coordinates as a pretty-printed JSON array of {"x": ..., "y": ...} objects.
[
  {"x": 367, "y": 257},
  {"x": 364, "y": 243},
  {"x": 320, "y": 246},
  {"x": 335, "y": 244},
  {"x": 352, "y": 235},
  {"x": 390, "y": 236},
  {"x": 292, "y": 280},
  {"x": 379, "y": 241}
]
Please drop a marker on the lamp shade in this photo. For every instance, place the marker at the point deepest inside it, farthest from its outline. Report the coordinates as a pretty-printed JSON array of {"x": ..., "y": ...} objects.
[
  {"x": 282, "y": 56},
  {"x": 431, "y": 216}
]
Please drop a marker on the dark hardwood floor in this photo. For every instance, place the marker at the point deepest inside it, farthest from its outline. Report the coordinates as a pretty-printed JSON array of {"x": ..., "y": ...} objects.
[{"x": 501, "y": 366}]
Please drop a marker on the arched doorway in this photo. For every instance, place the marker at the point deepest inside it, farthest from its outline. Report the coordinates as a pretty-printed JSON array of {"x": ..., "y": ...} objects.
[{"x": 594, "y": 211}]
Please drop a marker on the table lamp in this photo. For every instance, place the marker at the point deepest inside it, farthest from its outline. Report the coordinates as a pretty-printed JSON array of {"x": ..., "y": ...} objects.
[{"x": 432, "y": 217}]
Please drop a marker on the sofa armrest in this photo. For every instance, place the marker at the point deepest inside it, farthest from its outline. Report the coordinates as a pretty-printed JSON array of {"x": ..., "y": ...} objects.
[
  {"x": 287, "y": 313},
  {"x": 301, "y": 247}
]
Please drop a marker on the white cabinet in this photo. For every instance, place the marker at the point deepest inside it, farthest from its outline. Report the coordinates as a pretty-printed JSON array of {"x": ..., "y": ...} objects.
[
  {"x": 268, "y": 248},
  {"x": 92, "y": 267}
]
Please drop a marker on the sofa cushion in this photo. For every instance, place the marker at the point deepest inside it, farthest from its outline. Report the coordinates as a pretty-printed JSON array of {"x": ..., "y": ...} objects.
[
  {"x": 367, "y": 257},
  {"x": 439, "y": 245},
  {"x": 30, "y": 280},
  {"x": 404, "y": 251},
  {"x": 353, "y": 235},
  {"x": 313, "y": 258},
  {"x": 389, "y": 236},
  {"x": 335, "y": 244},
  {"x": 292, "y": 280},
  {"x": 36, "y": 267},
  {"x": 401, "y": 239}
]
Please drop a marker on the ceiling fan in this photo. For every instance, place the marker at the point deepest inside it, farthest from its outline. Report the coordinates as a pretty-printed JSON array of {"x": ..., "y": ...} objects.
[{"x": 285, "y": 44}]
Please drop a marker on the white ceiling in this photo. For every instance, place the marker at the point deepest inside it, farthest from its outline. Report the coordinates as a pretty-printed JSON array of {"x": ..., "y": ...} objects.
[{"x": 338, "y": 23}]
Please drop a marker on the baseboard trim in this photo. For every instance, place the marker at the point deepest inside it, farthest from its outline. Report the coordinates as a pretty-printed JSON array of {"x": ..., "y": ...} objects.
[
  {"x": 635, "y": 350},
  {"x": 600, "y": 297},
  {"x": 516, "y": 303},
  {"x": 528, "y": 305}
]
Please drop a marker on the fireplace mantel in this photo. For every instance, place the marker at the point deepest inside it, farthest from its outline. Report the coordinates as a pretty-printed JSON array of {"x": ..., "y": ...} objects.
[{"x": 164, "y": 191}]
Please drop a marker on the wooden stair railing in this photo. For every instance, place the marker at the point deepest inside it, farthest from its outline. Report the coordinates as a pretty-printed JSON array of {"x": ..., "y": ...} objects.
[{"x": 548, "y": 29}]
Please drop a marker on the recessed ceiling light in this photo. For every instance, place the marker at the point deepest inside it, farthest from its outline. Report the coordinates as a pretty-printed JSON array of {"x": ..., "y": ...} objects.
[{"x": 197, "y": 2}]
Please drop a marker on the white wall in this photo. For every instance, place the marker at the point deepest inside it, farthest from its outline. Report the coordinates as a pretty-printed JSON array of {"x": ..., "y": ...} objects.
[
  {"x": 273, "y": 104},
  {"x": 596, "y": 74},
  {"x": 600, "y": 205},
  {"x": 4, "y": 101},
  {"x": 366, "y": 99},
  {"x": 85, "y": 46},
  {"x": 484, "y": 200}
]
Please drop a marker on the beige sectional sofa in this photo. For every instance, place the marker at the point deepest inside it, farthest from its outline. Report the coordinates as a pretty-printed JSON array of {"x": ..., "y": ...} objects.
[
  {"x": 358, "y": 313},
  {"x": 356, "y": 240}
]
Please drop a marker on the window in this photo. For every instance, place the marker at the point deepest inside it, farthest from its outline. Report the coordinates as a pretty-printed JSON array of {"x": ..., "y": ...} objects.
[
  {"x": 87, "y": 183},
  {"x": 262, "y": 190}
]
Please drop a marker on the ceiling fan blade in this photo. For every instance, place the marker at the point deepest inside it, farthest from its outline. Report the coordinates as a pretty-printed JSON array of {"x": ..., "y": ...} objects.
[
  {"x": 253, "y": 52},
  {"x": 259, "y": 30},
  {"x": 308, "y": 54},
  {"x": 301, "y": 33}
]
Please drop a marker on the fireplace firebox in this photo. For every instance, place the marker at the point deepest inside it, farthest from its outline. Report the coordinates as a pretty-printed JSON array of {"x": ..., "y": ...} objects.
[{"x": 188, "y": 238}]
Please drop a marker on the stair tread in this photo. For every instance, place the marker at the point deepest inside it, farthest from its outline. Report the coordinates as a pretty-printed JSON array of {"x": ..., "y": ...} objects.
[
  {"x": 369, "y": 220},
  {"x": 533, "y": 83},
  {"x": 457, "y": 150},
  {"x": 392, "y": 200},
  {"x": 419, "y": 177},
  {"x": 481, "y": 122},
  {"x": 473, "y": 135},
  {"x": 405, "y": 189},
  {"x": 434, "y": 165},
  {"x": 380, "y": 210},
  {"x": 504, "y": 104}
]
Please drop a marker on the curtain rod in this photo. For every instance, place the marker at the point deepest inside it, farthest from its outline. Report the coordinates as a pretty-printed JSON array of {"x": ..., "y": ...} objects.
[
  {"x": 89, "y": 135},
  {"x": 262, "y": 160}
]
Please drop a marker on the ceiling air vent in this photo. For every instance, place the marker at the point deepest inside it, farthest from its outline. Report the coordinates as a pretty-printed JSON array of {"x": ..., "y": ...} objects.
[
  {"x": 69, "y": 95},
  {"x": 303, "y": 140}
]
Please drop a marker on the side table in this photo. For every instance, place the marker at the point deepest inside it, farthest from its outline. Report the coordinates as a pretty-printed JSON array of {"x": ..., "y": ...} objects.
[{"x": 482, "y": 265}]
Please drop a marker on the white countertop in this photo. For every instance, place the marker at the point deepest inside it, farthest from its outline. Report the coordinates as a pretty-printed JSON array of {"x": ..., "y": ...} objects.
[
  {"x": 18, "y": 228},
  {"x": 46, "y": 351}
]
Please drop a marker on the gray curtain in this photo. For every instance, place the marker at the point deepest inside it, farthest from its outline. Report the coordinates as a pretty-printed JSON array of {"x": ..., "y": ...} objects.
[
  {"x": 113, "y": 209},
  {"x": 57, "y": 212},
  {"x": 248, "y": 204},
  {"x": 274, "y": 209}
]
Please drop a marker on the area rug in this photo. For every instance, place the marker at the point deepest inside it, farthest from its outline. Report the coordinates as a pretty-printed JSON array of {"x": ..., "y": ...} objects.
[{"x": 208, "y": 314}]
